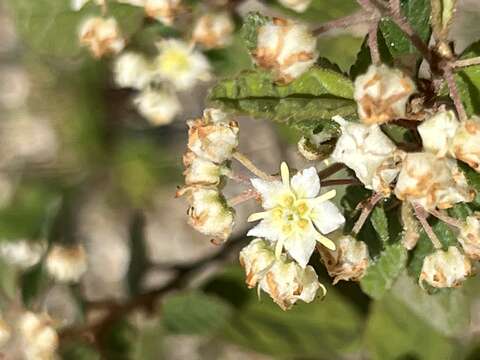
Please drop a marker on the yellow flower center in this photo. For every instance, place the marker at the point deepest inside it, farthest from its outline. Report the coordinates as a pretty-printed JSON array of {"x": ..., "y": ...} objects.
[{"x": 174, "y": 61}]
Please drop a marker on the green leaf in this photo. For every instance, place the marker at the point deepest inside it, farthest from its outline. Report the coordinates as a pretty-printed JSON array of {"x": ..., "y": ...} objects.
[
  {"x": 194, "y": 313},
  {"x": 379, "y": 220},
  {"x": 250, "y": 27},
  {"x": 231, "y": 60},
  {"x": 381, "y": 275},
  {"x": 340, "y": 49},
  {"x": 78, "y": 351}
]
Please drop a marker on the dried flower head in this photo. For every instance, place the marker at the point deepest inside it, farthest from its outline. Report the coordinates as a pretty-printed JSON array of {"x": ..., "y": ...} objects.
[
  {"x": 132, "y": 70},
  {"x": 382, "y": 94},
  {"x": 445, "y": 269},
  {"x": 157, "y": 106},
  {"x": 102, "y": 36},
  {"x": 164, "y": 11},
  {"x": 39, "y": 338},
  {"x": 296, "y": 5},
  {"x": 22, "y": 253},
  {"x": 213, "y": 30},
  {"x": 66, "y": 264},
  {"x": 199, "y": 171},
  {"x": 466, "y": 143},
  {"x": 286, "y": 48},
  {"x": 256, "y": 258},
  {"x": 348, "y": 261},
  {"x": 470, "y": 237},
  {"x": 438, "y": 131}
]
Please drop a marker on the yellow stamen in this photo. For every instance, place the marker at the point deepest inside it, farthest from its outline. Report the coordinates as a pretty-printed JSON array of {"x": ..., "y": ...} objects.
[
  {"x": 324, "y": 290},
  {"x": 329, "y": 244},
  {"x": 277, "y": 213},
  {"x": 302, "y": 208},
  {"x": 302, "y": 224},
  {"x": 288, "y": 200},
  {"x": 257, "y": 216},
  {"x": 287, "y": 228},
  {"x": 285, "y": 173},
  {"x": 327, "y": 196}
]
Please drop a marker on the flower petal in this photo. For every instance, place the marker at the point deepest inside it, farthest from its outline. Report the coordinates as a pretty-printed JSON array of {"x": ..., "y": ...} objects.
[
  {"x": 306, "y": 183},
  {"x": 269, "y": 190},
  {"x": 300, "y": 247},
  {"x": 326, "y": 217},
  {"x": 264, "y": 229}
]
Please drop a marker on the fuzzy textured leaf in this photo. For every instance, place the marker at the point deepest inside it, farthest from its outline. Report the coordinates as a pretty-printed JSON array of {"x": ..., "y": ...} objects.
[
  {"x": 379, "y": 220},
  {"x": 468, "y": 81}
]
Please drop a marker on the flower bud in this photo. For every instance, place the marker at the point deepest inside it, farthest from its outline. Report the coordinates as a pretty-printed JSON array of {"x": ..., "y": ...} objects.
[
  {"x": 202, "y": 172},
  {"x": 286, "y": 48},
  {"x": 214, "y": 137},
  {"x": 437, "y": 132},
  {"x": 22, "y": 253},
  {"x": 466, "y": 143},
  {"x": 213, "y": 30},
  {"x": 382, "y": 94},
  {"x": 132, "y": 70},
  {"x": 369, "y": 152},
  {"x": 66, "y": 264},
  {"x": 164, "y": 11},
  {"x": 432, "y": 182},
  {"x": 39, "y": 338},
  {"x": 209, "y": 213},
  {"x": 101, "y": 36},
  {"x": 296, "y": 5},
  {"x": 256, "y": 258},
  {"x": 348, "y": 261},
  {"x": 470, "y": 237},
  {"x": 445, "y": 269},
  {"x": 158, "y": 107}
]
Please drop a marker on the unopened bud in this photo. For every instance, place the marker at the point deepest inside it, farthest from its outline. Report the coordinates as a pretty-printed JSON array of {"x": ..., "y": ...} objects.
[
  {"x": 466, "y": 143},
  {"x": 296, "y": 5},
  {"x": 164, "y": 11},
  {"x": 445, "y": 269},
  {"x": 256, "y": 258},
  {"x": 202, "y": 172},
  {"x": 101, "y": 36},
  {"x": 470, "y": 237},
  {"x": 437, "y": 132},
  {"x": 66, "y": 264},
  {"x": 382, "y": 94},
  {"x": 213, "y": 30},
  {"x": 39, "y": 338},
  {"x": 157, "y": 106},
  {"x": 132, "y": 70}
]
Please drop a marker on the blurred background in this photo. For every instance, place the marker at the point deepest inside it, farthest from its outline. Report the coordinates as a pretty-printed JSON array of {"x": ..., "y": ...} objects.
[{"x": 79, "y": 164}]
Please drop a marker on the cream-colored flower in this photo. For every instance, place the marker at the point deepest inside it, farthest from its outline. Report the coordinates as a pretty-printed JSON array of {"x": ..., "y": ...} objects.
[
  {"x": 256, "y": 258},
  {"x": 22, "y": 253},
  {"x": 470, "y": 237},
  {"x": 214, "y": 137},
  {"x": 287, "y": 48},
  {"x": 296, "y": 217},
  {"x": 445, "y": 269},
  {"x": 102, "y": 36},
  {"x": 432, "y": 182},
  {"x": 132, "y": 70},
  {"x": 466, "y": 143},
  {"x": 5, "y": 333},
  {"x": 180, "y": 64},
  {"x": 66, "y": 264},
  {"x": 369, "y": 152},
  {"x": 213, "y": 30},
  {"x": 164, "y": 11},
  {"x": 438, "y": 131},
  {"x": 382, "y": 94},
  {"x": 199, "y": 171},
  {"x": 296, "y": 5},
  {"x": 39, "y": 339},
  {"x": 348, "y": 261},
  {"x": 157, "y": 106}
]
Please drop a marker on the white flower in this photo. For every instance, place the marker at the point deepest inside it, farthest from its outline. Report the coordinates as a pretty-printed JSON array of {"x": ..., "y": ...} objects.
[
  {"x": 213, "y": 30},
  {"x": 470, "y": 237},
  {"x": 432, "y": 182},
  {"x": 132, "y": 70},
  {"x": 180, "y": 64},
  {"x": 209, "y": 213},
  {"x": 296, "y": 5},
  {"x": 256, "y": 258},
  {"x": 158, "y": 107},
  {"x": 66, "y": 264},
  {"x": 466, "y": 143},
  {"x": 369, "y": 152},
  {"x": 445, "y": 269},
  {"x": 438, "y": 131},
  {"x": 287, "y": 48},
  {"x": 39, "y": 338},
  {"x": 214, "y": 137},
  {"x": 164, "y": 11},
  {"x": 295, "y": 216},
  {"x": 102, "y": 36},
  {"x": 382, "y": 94},
  {"x": 348, "y": 261},
  {"x": 22, "y": 253},
  {"x": 202, "y": 172},
  {"x": 5, "y": 333}
]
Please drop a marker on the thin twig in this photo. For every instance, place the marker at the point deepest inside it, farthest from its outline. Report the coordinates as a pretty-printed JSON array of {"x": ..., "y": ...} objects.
[
  {"x": 467, "y": 62},
  {"x": 446, "y": 219},
  {"x": 336, "y": 182},
  {"x": 245, "y": 161},
  {"x": 454, "y": 94},
  {"x": 356, "y": 18},
  {"x": 241, "y": 198},
  {"x": 367, "y": 209},
  {"x": 373, "y": 42},
  {"x": 330, "y": 170},
  {"x": 422, "y": 215}
]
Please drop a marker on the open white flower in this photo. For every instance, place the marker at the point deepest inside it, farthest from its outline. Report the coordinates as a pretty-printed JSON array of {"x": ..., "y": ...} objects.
[
  {"x": 369, "y": 152},
  {"x": 213, "y": 30},
  {"x": 296, "y": 217},
  {"x": 164, "y": 11},
  {"x": 296, "y": 5},
  {"x": 66, "y": 264},
  {"x": 22, "y": 253},
  {"x": 287, "y": 48},
  {"x": 132, "y": 70},
  {"x": 432, "y": 182},
  {"x": 382, "y": 94},
  {"x": 157, "y": 106},
  {"x": 39, "y": 340},
  {"x": 470, "y": 237},
  {"x": 438, "y": 131},
  {"x": 102, "y": 36},
  {"x": 466, "y": 143},
  {"x": 180, "y": 64}
]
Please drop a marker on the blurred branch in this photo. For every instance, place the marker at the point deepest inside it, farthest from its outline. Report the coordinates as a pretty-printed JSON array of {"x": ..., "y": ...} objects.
[{"x": 356, "y": 18}]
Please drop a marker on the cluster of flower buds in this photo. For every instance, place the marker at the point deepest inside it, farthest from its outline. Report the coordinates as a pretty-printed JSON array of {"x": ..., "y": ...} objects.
[
  {"x": 66, "y": 264},
  {"x": 212, "y": 140},
  {"x": 38, "y": 338},
  {"x": 296, "y": 5},
  {"x": 102, "y": 36},
  {"x": 286, "y": 48},
  {"x": 284, "y": 280},
  {"x": 213, "y": 30}
]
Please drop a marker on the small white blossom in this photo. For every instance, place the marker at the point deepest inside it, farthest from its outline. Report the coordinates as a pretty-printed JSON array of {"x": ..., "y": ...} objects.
[
  {"x": 470, "y": 237},
  {"x": 432, "y": 182},
  {"x": 180, "y": 64},
  {"x": 445, "y": 269},
  {"x": 39, "y": 339},
  {"x": 296, "y": 217},
  {"x": 382, "y": 94},
  {"x": 214, "y": 137},
  {"x": 438, "y": 131},
  {"x": 202, "y": 172},
  {"x": 348, "y": 261},
  {"x": 256, "y": 258},
  {"x": 287, "y": 48},
  {"x": 66, "y": 264},
  {"x": 164, "y": 11},
  {"x": 158, "y": 107},
  {"x": 466, "y": 143},
  {"x": 22, "y": 253},
  {"x": 132, "y": 70},
  {"x": 5, "y": 333},
  {"x": 369, "y": 152},
  {"x": 296, "y": 5},
  {"x": 213, "y": 30},
  {"x": 102, "y": 36}
]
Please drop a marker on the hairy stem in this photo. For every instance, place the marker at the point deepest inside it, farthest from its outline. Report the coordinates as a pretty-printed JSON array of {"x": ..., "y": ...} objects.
[
  {"x": 422, "y": 215},
  {"x": 367, "y": 209},
  {"x": 467, "y": 62},
  {"x": 373, "y": 42},
  {"x": 242, "y": 197},
  {"x": 445, "y": 218},
  {"x": 358, "y": 17},
  {"x": 330, "y": 170},
  {"x": 247, "y": 163},
  {"x": 336, "y": 182},
  {"x": 454, "y": 94}
]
